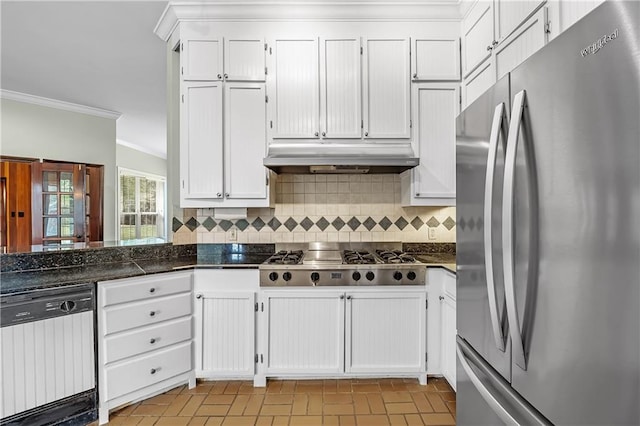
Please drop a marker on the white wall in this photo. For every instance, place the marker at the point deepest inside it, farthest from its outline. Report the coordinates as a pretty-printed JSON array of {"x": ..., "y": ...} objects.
[
  {"x": 36, "y": 131},
  {"x": 133, "y": 159}
]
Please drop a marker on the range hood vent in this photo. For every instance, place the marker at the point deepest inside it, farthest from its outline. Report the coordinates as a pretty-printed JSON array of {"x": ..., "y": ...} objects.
[{"x": 314, "y": 158}]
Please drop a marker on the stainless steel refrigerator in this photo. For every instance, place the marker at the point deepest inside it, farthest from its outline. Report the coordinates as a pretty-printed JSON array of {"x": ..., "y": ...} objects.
[{"x": 548, "y": 238}]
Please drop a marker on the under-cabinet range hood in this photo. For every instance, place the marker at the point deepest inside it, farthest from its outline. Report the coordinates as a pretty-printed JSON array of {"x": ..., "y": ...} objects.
[{"x": 340, "y": 158}]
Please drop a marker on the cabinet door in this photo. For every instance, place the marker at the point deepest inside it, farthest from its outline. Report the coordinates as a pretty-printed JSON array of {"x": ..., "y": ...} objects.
[
  {"x": 305, "y": 332},
  {"x": 448, "y": 360},
  {"x": 524, "y": 42},
  {"x": 385, "y": 332},
  {"x": 478, "y": 82},
  {"x": 435, "y": 59},
  {"x": 201, "y": 140},
  {"x": 341, "y": 111},
  {"x": 436, "y": 108},
  {"x": 386, "y": 88},
  {"x": 201, "y": 59},
  {"x": 245, "y": 141},
  {"x": 244, "y": 59},
  {"x": 226, "y": 334},
  {"x": 510, "y": 14},
  {"x": 477, "y": 35},
  {"x": 294, "y": 84}
]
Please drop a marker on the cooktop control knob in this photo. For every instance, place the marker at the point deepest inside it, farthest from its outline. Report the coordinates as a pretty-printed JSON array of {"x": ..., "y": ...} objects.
[
  {"x": 68, "y": 305},
  {"x": 356, "y": 276},
  {"x": 286, "y": 276},
  {"x": 370, "y": 276},
  {"x": 315, "y": 277},
  {"x": 411, "y": 275},
  {"x": 397, "y": 275},
  {"x": 273, "y": 276}
]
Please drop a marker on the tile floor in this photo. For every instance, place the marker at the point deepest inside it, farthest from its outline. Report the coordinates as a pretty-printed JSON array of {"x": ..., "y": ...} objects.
[{"x": 368, "y": 402}]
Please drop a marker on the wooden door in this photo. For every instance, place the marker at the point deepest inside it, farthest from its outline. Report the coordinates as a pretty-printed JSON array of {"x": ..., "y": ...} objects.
[
  {"x": 16, "y": 211},
  {"x": 58, "y": 203}
]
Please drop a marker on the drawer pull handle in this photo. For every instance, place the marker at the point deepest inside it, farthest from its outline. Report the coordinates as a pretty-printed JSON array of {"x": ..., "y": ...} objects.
[
  {"x": 152, "y": 313},
  {"x": 152, "y": 341},
  {"x": 153, "y": 371},
  {"x": 441, "y": 297},
  {"x": 152, "y": 290}
]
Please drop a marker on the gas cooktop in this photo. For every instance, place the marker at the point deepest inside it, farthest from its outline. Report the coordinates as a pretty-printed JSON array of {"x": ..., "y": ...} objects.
[{"x": 341, "y": 264}]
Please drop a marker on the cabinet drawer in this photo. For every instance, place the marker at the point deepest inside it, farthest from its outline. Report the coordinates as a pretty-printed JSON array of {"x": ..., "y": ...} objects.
[
  {"x": 141, "y": 340},
  {"x": 146, "y": 370},
  {"x": 130, "y": 290},
  {"x": 131, "y": 315}
]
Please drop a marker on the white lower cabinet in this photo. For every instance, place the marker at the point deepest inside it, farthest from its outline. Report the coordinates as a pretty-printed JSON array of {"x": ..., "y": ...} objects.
[
  {"x": 144, "y": 338},
  {"x": 340, "y": 332},
  {"x": 449, "y": 331}
]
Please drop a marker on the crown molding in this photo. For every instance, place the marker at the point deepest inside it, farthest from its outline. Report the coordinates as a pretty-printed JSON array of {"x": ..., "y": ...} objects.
[
  {"x": 145, "y": 150},
  {"x": 417, "y": 10},
  {"x": 54, "y": 103}
]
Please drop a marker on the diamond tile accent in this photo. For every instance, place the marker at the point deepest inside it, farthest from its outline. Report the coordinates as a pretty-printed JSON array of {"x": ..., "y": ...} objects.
[
  {"x": 369, "y": 223},
  {"x": 472, "y": 224},
  {"x": 338, "y": 223},
  {"x": 192, "y": 224},
  {"x": 242, "y": 224},
  {"x": 209, "y": 224},
  {"x": 306, "y": 223},
  {"x": 225, "y": 225},
  {"x": 290, "y": 224},
  {"x": 479, "y": 223},
  {"x": 385, "y": 223},
  {"x": 258, "y": 223},
  {"x": 354, "y": 223},
  {"x": 176, "y": 224},
  {"x": 274, "y": 223},
  {"x": 417, "y": 222},
  {"x": 463, "y": 223},
  {"x": 322, "y": 223},
  {"x": 433, "y": 222},
  {"x": 449, "y": 223},
  {"x": 401, "y": 223}
]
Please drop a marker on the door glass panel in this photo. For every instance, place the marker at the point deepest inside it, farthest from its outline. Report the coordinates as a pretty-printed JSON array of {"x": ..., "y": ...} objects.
[
  {"x": 50, "y": 204},
  {"x": 66, "y": 227},
  {"x": 66, "y": 182},
  {"x": 50, "y": 181},
  {"x": 66, "y": 204},
  {"x": 51, "y": 227}
]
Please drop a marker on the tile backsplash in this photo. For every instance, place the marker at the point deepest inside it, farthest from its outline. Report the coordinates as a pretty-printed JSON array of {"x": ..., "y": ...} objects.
[{"x": 344, "y": 208}]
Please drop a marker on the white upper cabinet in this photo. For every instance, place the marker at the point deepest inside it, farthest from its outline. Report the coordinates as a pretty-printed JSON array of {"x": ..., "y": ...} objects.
[
  {"x": 525, "y": 41},
  {"x": 294, "y": 110},
  {"x": 476, "y": 83},
  {"x": 510, "y": 14},
  {"x": 244, "y": 141},
  {"x": 201, "y": 59},
  {"x": 201, "y": 140},
  {"x": 386, "y": 99},
  {"x": 435, "y": 59},
  {"x": 340, "y": 81},
  {"x": 477, "y": 35},
  {"x": 244, "y": 59}
]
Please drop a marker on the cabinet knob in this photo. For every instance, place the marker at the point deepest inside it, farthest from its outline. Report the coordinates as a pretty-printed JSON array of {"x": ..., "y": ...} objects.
[
  {"x": 324, "y": 134},
  {"x": 198, "y": 296},
  {"x": 441, "y": 297},
  {"x": 341, "y": 296},
  {"x": 226, "y": 75},
  {"x": 153, "y": 371},
  {"x": 152, "y": 341},
  {"x": 152, "y": 290},
  {"x": 315, "y": 134},
  {"x": 489, "y": 48},
  {"x": 219, "y": 76},
  {"x": 366, "y": 133},
  {"x": 417, "y": 194},
  {"x": 349, "y": 297},
  {"x": 415, "y": 75},
  {"x": 152, "y": 313},
  {"x": 219, "y": 194},
  {"x": 494, "y": 43},
  {"x": 226, "y": 194}
]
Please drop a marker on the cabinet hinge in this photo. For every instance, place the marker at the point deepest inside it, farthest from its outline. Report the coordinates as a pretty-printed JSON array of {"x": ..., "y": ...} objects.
[
  {"x": 261, "y": 359},
  {"x": 262, "y": 307},
  {"x": 182, "y": 98},
  {"x": 426, "y": 357},
  {"x": 460, "y": 98},
  {"x": 547, "y": 27},
  {"x": 265, "y": 70},
  {"x": 271, "y": 124},
  {"x": 181, "y": 46},
  {"x": 182, "y": 70},
  {"x": 255, "y": 358},
  {"x": 183, "y": 184},
  {"x": 362, "y": 124},
  {"x": 361, "y": 50},
  {"x": 426, "y": 304},
  {"x": 266, "y": 180},
  {"x": 266, "y": 98},
  {"x": 270, "y": 51},
  {"x": 256, "y": 307},
  {"x": 265, "y": 46},
  {"x": 410, "y": 124}
]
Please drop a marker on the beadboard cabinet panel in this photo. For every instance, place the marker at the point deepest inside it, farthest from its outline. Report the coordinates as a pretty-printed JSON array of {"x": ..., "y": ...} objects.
[
  {"x": 435, "y": 59},
  {"x": 244, "y": 59},
  {"x": 477, "y": 35},
  {"x": 202, "y": 59},
  {"x": 510, "y": 14},
  {"x": 478, "y": 82}
]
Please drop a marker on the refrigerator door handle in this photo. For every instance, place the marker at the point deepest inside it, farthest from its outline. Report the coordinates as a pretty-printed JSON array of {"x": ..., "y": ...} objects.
[
  {"x": 497, "y": 127},
  {"x": 527, "y": 413},
  {"x": 507, "y": 230}
]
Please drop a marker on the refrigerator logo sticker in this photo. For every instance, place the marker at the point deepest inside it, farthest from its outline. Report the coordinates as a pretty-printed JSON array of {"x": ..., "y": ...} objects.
[{"x": 599, "y": 44}]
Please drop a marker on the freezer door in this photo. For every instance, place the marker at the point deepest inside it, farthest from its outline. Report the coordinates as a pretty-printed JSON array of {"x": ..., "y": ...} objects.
[
  {"x": 575, "y": 204},
  {"x": 480, "y": 149},
  {"x": 485, "y": 398}
]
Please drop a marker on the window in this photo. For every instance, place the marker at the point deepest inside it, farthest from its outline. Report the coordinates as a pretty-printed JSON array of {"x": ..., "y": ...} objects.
[{"x": 141, "y": 205}]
